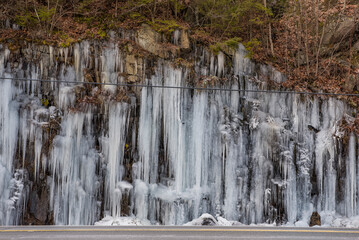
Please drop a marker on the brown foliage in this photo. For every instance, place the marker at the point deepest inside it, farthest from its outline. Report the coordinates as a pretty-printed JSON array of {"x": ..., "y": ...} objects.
[{"x": 291, "y": 33}]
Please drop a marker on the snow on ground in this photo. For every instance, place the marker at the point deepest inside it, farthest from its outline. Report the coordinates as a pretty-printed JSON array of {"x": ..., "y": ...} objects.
[
  {"x": 205, "y": 219},
  {"x": 208, "y": 219},
  {"x": 301, "y": 223},
  {"x": 122, "y": 221},
  {"x": 263, "y": 225},
  {"x": 224, "y": 222},
  {"x": 328, "y": 219}
]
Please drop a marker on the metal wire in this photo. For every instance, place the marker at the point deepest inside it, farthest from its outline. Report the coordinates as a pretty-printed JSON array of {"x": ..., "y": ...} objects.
[{"x": 183, "y": 87}]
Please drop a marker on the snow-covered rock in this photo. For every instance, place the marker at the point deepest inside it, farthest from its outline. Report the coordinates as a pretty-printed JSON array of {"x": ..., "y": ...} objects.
[{"x": 208, "y": 219}]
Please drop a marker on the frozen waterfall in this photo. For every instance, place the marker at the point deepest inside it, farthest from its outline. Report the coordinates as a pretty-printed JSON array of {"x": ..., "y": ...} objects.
[{"x": 167, "y": 155}]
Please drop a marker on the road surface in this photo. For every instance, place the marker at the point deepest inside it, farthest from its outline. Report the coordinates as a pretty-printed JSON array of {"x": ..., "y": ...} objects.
[{"x": 175, "y": 233}]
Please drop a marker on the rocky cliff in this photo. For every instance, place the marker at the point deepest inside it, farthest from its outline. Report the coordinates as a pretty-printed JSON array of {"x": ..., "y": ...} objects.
[{"x": 72, "y": 152}]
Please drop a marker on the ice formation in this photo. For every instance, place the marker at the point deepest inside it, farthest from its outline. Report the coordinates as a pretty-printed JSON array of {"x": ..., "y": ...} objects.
[{"x": 167, "y": 156}]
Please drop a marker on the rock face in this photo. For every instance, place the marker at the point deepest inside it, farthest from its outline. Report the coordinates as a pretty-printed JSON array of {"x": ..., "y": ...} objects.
[
  {"x": 340, "y": 35},
  {"x": 153, "y": 42},
  {"x": 315, "y": 220},
  {"x": 352, "y": 83},
  {"x": 339, "y": 31},
  {"x": 73, "y": 153}
]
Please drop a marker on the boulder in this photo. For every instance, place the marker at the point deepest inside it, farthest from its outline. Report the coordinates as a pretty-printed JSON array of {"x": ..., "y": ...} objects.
[
  {"x": 204, "y": 220},
  {"x": 155, "y": 43},
  {"x": 150, "y": 40},
  {"x": 185, "y": 43},
  {"x": 315, "y": 220},
  {"x": 352, "y": 83},
  {"x": 39, "y": 205},
  {"x": 337, "y": 33}
]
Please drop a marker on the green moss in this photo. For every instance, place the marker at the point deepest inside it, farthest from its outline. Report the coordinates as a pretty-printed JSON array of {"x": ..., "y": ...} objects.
[
  {"x": 42, "y": 16},
  {"x": 215, "y": 48},
  {"x": 65, "y": 41},
  {"x": 89, "y": 21},
  {"x": 101, "y": 34},
  {"x": 137, "y": 16},
  {"x": 164, "y": 26},
  {"x": 251, "y": 46},
  {"x": 220, "y": 46},
  {"x": 353, "y": 104},
  {"x": 233, "y": 42},
  {"x": 26, "y": 20},
  {"x": 45, "y": 14}
]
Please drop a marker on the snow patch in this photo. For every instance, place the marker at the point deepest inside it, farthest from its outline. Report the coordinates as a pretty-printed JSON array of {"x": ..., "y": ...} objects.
[
  {"x": 301, "y": 224},
  {"x": 208, "y": 219},
  {"x": 330, "y": 219},
  {"x": 224, "y": 222},
  {"x": 205, "y": 219},
  {"x": 122, "y": 221},
  {"x": 124, "y": 185}
]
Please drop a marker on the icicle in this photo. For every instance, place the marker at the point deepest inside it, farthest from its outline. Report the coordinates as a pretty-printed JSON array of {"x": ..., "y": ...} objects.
[
  {"x": 246, "y": 156},
  {"x": 149, "y": 131},
  {"x": 118, "y": 120},
  {"x": 73, "y": 164},
  {"x": 9, "y": 124},
  {"x": 77, "y": 62},
  {"x": 351, "y": 179},
  {"x": 220, "y": 67}
]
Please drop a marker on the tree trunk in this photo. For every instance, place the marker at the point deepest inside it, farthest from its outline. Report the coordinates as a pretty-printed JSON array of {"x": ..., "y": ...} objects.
[{"x": 269, "y": 30}]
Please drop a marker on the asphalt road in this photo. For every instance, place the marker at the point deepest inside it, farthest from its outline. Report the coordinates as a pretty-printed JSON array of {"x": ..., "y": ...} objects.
[{"x": 174, "y": 233}]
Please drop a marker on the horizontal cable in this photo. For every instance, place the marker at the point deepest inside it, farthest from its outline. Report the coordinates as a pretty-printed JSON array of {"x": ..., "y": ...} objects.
[{"x": 183, "y": 87}]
